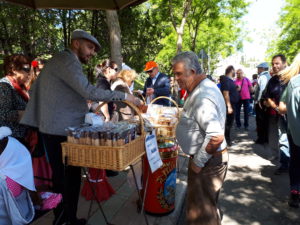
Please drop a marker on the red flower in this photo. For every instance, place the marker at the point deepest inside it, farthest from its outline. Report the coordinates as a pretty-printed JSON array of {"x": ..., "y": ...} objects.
[{"x": 34, "y": 63}]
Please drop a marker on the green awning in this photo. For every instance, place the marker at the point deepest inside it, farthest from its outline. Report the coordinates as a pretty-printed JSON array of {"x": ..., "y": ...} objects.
[{"x": 77, "y": 4}]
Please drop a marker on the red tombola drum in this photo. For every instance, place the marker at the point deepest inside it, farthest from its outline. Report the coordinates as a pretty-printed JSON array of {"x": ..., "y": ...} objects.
[{"x": 160, "y": 191}]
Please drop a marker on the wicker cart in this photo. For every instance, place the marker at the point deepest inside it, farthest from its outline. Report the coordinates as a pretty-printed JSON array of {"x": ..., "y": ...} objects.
[{"x": 106, "y": 157}]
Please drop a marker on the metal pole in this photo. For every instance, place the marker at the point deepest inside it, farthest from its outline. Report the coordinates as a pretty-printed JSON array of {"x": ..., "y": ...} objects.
[
  {"x": 140, "y": 197},
  {"x": 94, "y": 193}
]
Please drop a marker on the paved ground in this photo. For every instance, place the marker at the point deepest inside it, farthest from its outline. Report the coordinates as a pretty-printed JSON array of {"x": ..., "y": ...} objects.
[
  {"x": 121, "y": 208},
  {"x": 252, "y": 194}
]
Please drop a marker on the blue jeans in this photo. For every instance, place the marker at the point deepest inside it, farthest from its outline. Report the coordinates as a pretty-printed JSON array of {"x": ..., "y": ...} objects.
[
  {"x": 284, "y": 147},
  {"x": 245, "y": 103}
]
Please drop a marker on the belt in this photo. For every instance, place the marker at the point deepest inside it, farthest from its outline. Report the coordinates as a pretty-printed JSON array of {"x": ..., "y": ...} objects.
[
  {"x": 220, "y": 152},
  {"x": 216, "y": 153}
]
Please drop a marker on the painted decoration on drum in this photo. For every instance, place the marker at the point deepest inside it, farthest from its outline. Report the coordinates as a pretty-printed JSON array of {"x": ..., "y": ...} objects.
[{"x": 166, "y": 193}]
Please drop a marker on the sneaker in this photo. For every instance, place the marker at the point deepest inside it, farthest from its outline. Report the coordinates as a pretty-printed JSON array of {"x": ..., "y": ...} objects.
[
  {"x": 281, "y": 170},
  {"x": 294, "y": 200}
]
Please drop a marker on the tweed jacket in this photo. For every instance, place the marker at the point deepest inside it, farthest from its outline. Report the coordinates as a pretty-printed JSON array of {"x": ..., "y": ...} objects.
[
  {"x": 58, "y": 96},
  {"x": 161, "y": 88}
]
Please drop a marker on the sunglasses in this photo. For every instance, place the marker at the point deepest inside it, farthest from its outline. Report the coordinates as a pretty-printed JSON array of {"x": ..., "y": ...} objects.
[
  {"x": 149, "y": 71},
  {"x": 115, "y": 69},
  {"x": 26, "y": 69}
]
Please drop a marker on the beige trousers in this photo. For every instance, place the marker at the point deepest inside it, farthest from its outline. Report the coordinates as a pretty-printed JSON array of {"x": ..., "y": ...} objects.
[{"x": 203, "y": 191}]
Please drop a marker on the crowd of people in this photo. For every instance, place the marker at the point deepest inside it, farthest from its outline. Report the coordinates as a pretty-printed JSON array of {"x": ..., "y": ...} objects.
[
  {"x": 39, "y": 100},
  {"x": 275, "y": 110}
]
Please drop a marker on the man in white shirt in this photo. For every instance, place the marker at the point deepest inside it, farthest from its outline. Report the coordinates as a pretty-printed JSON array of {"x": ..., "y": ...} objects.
[{"x": 261, "y": 116}]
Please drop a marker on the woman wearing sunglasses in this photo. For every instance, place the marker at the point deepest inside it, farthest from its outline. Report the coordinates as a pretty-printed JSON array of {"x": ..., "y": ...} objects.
[
  {"x": 107, "y": 73},
  {"x": 13, "y": 94}
]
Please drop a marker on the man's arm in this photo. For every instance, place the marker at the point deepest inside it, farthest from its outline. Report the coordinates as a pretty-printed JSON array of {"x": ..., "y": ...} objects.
[
  {"x": 212, "y": 146},
  {"x": 227, "y": 101},
  {"x": 73, "y": 77},
  {"x": 272, "y": 104},
  {"x": 206, "y": 115}
]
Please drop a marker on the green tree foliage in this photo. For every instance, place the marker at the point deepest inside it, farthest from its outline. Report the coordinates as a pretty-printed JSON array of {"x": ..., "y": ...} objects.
[
  {"x": 148, "y": 31},
  {"x": 288, "y": 42},
  {"x": 212, "y": 25},
  {"x": 27, "y": 31}
]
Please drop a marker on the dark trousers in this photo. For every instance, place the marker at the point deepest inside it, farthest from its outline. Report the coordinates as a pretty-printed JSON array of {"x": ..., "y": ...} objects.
[
  {"x": 228, "y": 124},
  {"x": 261, "y": 124},
  {"x": 294, "y": 170},
  {"x": 68, "y": 184},
  {"x": 245, "y": 103}
]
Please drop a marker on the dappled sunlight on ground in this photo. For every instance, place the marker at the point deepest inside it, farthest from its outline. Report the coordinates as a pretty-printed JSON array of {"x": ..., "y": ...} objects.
[{"x": 252, "y": 194}]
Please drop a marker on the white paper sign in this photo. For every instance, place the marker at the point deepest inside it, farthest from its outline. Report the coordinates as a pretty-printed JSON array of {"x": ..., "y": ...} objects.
[
  {"x": 93, "y": 119},
  {"x": 152, "y": 152}
]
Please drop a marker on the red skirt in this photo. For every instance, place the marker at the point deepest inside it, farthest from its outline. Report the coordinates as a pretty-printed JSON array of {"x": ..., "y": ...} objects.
[{"x": 98, "y": 181}]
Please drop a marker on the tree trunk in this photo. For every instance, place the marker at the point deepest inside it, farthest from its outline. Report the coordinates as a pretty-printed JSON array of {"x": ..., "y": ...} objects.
[
  {"x": 114, "y": 31},
  {"x": 25, "y": 40},
  {"x": 63, "y": 17},
  {"x": 94, "y": 22},
  {"x": 180, "y": 30}
]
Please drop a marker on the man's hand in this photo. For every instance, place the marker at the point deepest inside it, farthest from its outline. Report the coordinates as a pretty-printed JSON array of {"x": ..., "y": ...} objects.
[
  {"x": 195, "y": 168},
  {"x": 214, "y": 143},
  {"x": 266, "y": 103},
  {"x": 149, "y": 91},
  {"x": 229, "y": 110},
  {"x": 134, "y": 100}
]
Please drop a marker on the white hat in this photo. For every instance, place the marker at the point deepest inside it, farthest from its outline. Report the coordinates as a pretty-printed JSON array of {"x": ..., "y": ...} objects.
[{"x": 264, "y": 65}]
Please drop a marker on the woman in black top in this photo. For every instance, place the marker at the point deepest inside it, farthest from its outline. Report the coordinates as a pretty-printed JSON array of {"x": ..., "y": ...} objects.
[{"x": 107, "y": 73}]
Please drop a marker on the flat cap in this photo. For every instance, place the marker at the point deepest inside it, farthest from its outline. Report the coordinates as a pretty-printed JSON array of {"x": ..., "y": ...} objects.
[
  {"x": 264, "y": 65},
  {"x": 81, "y": 34}
]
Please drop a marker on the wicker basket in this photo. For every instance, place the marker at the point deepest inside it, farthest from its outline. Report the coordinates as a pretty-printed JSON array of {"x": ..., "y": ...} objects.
[
  {"x": 106, "y": 157},
  {"x": 168, "y": 131}
]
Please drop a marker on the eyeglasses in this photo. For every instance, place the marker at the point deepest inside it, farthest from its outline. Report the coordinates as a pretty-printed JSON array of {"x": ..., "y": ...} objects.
[
  {"x": 116, "y": 69},
  {"x": 149, "y": 71}
]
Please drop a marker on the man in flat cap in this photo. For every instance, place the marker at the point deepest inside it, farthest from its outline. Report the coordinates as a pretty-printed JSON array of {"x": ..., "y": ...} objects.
[
  {"x": 261, "y": 116},
  {"x": 58, "y": 101},
  {"x": 156, "y": 85}
]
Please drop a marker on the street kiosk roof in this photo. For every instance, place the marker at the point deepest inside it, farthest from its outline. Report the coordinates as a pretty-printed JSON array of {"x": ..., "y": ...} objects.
[{"x": 77, "y": 4}]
